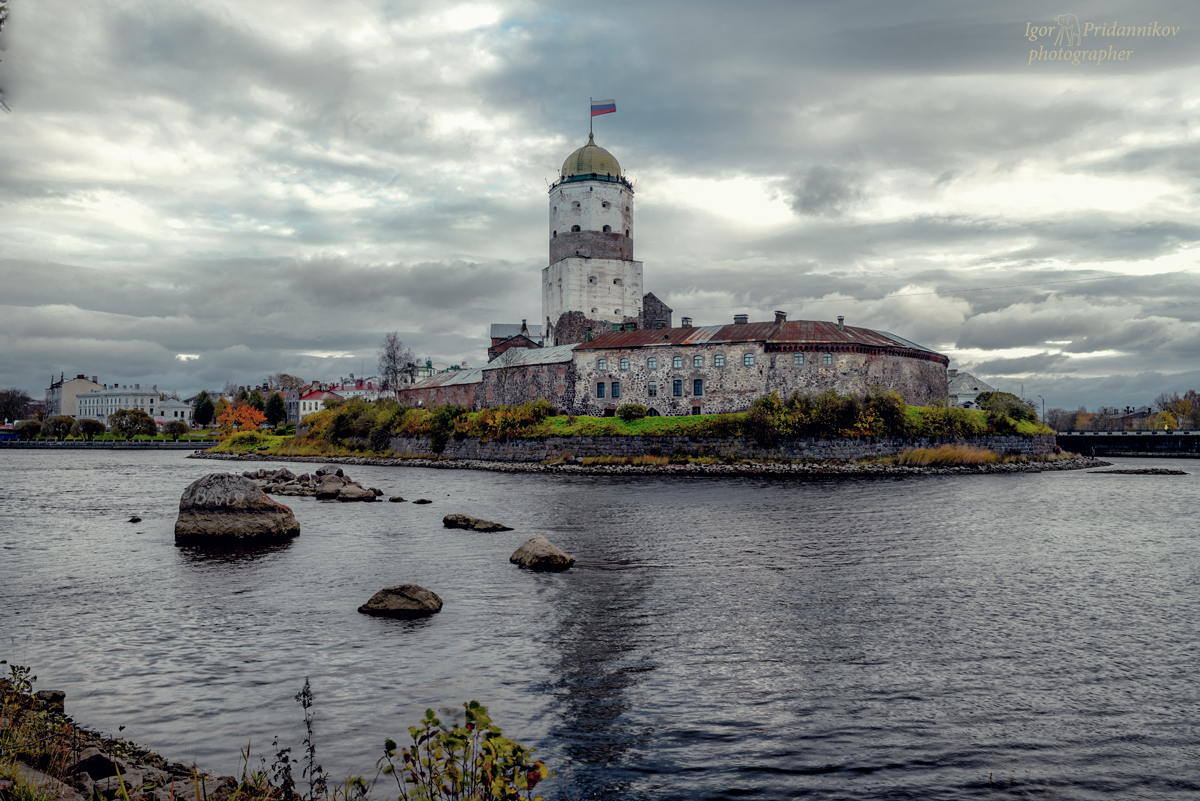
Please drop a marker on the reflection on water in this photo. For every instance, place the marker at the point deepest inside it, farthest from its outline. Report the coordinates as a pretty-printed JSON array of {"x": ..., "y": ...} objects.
[{"x": 717, "y": 638}]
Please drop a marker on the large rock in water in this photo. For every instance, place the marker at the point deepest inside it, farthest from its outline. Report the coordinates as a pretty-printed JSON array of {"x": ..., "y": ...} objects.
[
  {"x": 472, "y": 523},
  {"x": 538, "y": 553},
  {"x": 403, "y": 601},
  {"x": 222, "y": 508}
]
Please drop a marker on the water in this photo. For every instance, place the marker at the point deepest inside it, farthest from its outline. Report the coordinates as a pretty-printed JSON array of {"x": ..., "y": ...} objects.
[{"x": 718, "y": 638}]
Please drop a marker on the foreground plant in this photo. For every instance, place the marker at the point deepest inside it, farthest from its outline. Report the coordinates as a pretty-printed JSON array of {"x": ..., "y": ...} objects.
[{"x": 471, "y": 762}]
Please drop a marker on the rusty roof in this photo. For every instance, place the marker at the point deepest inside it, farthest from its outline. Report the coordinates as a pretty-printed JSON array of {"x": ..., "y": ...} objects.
[{"x": 794, "y": 332}]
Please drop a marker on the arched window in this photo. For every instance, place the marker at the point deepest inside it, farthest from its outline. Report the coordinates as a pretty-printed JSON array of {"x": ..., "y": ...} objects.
[
  {"x": 554, "y": 235},
  {"x": 608, "y": 229},
  {"x": 748, "y": 359},
  {"x": 626, "y": 232},
  {"x": 575, "y": 229}
]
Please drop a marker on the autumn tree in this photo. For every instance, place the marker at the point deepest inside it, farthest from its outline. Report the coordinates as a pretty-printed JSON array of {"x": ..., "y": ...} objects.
[
  {"x": 87, "y": 428},
  {"x": 394, "y": 359},
  {"x": 131, "y": 423},
  {"x": 283, "y": 382},
  {"x": 243, "y": 417},
  {"x": 175, "y": 429},
  {"x": 57, "y": 427},
  {"x": 276, "y": 409}
]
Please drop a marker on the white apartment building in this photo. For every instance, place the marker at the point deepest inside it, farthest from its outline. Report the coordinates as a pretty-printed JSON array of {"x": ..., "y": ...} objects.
[{"x": 100, "y": 403}]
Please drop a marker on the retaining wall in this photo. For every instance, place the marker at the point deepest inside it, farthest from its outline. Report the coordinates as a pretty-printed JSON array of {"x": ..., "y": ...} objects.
[{"x": 788, "y": 449}]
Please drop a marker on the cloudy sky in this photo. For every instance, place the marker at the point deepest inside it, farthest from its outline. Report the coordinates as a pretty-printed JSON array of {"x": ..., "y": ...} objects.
[{"x": 194, "y": 193}]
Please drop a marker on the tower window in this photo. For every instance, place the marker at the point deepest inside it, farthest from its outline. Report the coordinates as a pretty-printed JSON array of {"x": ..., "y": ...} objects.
[
  {"x": 626, "y": 232},
  {"x": 608, "y": 229},
  {"x": 575, "y": 204},
  {"x": 593, "y": 311},
  {"x": 556, "y": 209},
  {"x": 554, "y": 235},
  {"x": 574, "y": 229},
  {"x": 605, "y": 205},
  {"x": 592, "y": 280},
  {"x": 616, "y": 311},
  {"x": 616, "y": 281}
]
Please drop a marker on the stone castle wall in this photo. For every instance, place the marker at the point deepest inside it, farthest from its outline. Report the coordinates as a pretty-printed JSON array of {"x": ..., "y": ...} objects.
[{"x": 788, "y": 449}]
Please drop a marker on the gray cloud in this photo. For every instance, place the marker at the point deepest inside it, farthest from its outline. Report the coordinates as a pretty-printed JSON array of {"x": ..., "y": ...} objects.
[{"x": 270, "y": 188}]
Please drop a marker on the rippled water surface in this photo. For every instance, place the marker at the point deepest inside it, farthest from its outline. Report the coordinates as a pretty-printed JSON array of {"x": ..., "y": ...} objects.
[{"x": 718, "y": 638}]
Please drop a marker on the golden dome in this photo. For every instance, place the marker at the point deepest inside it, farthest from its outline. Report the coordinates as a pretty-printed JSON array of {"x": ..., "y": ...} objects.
[{"x": 591, "y": 158}]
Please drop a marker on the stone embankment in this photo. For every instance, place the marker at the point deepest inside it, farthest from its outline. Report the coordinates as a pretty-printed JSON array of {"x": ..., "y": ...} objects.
[
  {"x": 798, "y": 469},
  {"x": 786, "y": 449}
]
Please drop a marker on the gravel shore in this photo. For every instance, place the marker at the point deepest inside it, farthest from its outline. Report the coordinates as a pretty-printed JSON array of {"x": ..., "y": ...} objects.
[{"x": 691, "y": 469}]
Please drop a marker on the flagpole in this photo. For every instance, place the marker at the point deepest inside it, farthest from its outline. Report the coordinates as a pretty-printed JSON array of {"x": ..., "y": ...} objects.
[{"x": 590, "y": 117}]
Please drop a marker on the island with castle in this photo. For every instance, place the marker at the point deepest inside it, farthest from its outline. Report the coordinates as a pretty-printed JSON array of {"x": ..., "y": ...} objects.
[{"x": 604, "y": 342}]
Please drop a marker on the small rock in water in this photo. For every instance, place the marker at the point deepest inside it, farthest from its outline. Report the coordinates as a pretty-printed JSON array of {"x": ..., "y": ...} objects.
[
  {"x": 422, "y": 500},
  {"x": 135, "y": 519},
  {"x": 472, "y": 523},
  {"x": 538, "y": 553},
  {"x": 402, "y": 601},
  {"x": 396, "y": 499},
  {"x": 355, "y": 492}
]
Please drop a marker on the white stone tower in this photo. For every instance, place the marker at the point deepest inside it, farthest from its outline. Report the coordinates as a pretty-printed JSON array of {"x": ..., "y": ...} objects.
[{"x": 592, "y": 281}]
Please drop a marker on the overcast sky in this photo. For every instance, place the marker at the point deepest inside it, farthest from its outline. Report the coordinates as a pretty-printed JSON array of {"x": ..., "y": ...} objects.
[{"x": 194, "y": 193}]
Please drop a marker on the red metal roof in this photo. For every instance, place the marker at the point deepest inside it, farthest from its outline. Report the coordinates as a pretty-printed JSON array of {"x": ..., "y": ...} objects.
[{"x": 794, "y": 332}]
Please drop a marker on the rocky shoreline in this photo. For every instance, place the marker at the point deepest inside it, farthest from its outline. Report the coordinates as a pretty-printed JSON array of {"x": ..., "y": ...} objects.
[
  {"x": 795, "y": 469},
  {"x": 93, "y": 762}
]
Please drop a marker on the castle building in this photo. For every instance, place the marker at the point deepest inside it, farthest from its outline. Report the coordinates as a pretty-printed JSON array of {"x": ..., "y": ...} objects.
[{"x": 606, "y": 343}]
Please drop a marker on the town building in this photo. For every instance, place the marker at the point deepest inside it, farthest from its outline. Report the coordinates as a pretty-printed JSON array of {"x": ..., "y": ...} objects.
[
  {"x": 314, "y": 401},
  {"x": 964, "y": 388},
  {"x": 60, "y": 396},
  {"x": 605, "y": 342},
  {"x": 99, "y": 403}
]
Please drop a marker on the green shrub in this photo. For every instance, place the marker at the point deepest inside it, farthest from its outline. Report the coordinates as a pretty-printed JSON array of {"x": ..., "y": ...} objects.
[
  {"x": 473, "y": 761},
  {"x": 247, "y": 439},
  {"x": 631, "y": 411}
]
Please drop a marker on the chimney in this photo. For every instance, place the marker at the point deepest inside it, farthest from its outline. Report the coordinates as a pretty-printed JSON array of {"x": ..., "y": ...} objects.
[
  {"x": 137, "y": 386},
  {"x": 685, "y": 322},
  {"x": 741, "y": 319},
  {"x": 952, "y": 373},
  {"x": 780, "y": 318},
  {"x": 94, "y": 381},
  {"x": 841, "y": 323}
]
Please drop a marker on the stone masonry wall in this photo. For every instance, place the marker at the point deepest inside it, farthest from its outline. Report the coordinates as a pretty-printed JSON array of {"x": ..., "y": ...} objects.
[
  {"x": 788, "y": 449},
  {"x": 733, "y": 385}
]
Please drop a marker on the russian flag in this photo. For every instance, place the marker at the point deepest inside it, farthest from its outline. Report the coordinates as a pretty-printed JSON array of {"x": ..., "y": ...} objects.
[{"x": 603, "y": 107}]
